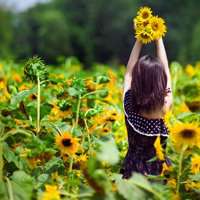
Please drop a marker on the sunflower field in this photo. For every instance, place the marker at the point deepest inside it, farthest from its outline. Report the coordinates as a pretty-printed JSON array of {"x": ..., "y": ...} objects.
[{"x": 63, "y": 134}]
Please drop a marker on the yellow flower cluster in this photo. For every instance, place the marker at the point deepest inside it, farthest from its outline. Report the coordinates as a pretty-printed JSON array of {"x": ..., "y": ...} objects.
[{"x": 147, "y": 26}]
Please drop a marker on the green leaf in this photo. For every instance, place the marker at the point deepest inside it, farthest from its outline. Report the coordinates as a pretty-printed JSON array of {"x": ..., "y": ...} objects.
[
  {"x": 195, "y": 177},
  {"x": 73, "y": 92},
  {"x": 45, "y": 109},
  {"x": 20, "y": 96},
  {"x": 8, "y": 154},
  {"x": 55, "y": 164},
  {"x": 128, "y": 190},
  {"x": 140, "y": 180},
  {"x": 42, "y": 179},
  {"x": 108, "y": 152},
  {"x": 22, "y": 185},
  {"x": 102, "y": 79}
]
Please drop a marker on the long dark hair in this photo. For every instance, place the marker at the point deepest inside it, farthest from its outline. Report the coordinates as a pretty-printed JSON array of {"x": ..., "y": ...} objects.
[{"x": 149, "y": 82}]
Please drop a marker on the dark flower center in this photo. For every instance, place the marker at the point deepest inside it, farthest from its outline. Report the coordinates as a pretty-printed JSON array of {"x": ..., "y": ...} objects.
[
  {"x": 155, "y": 26},
  {"x": 145, "y": 23},
  {"x": 114, "y": 114},
  {"x": 188, "y": 133},
  {"x": 145, "y": 15},
  {"x": 145, "y": 36},
  {"x": 105, "y": 130},
  {"x": 66, "y": 142}
]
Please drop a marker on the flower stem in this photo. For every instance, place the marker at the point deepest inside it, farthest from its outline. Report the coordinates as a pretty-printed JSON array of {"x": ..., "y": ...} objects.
[
  {"x": 180, "y": 168},
  {"x": 65, "y": 193},
  {"x": 1, "y": 161},
  {"x": 70, "y": 170},
  {"x": 77, "y": 111},
  {"x": 10, "y": 191},
  {"x": 71, "y": 164},
  {"x": 38, "y": 105},
  {"x": 88, "y": 135}
]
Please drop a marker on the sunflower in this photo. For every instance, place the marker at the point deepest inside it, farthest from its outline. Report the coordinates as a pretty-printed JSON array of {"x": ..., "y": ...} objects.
[
  {"x": 176, "y": 196},
  {"x": 139, "y": 23},
  {"x": 90, "y": 85},
  {"x": 158, "y": 26},
  {"x": 190, "y": 71},
  {"x": 159, "y": 149},
  {"x": 192, "y": 185},
  {"x": 195, "y": 164},
  {"x": 57, "y": 113},
  {"x": 185, "y": 134},
  {"x": 172, "y": 183},
  {"x": 51, "y": 193},
  {"x": 67, "y": 144},
  {"x": 16, "y": 77},
  {"x": 145, "y": 13},
  {"x": 165, "y": 169},
  {"x": 23, "y": 87},
  {"x": 181, "y": 108},
  {"x": 144, "y": 36},
  {"x": 167, "y": 118}
]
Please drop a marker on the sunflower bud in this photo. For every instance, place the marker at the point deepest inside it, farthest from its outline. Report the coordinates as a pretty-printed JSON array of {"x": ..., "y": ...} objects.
[{"x": 34, "y": 69}]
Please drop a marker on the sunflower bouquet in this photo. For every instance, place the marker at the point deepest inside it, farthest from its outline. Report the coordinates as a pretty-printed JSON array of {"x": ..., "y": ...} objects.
[{"x": 147, "y": 26}]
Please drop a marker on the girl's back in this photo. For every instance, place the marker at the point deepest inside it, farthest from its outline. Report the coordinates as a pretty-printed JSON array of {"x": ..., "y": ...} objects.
[{"x": 147, "y": 96}]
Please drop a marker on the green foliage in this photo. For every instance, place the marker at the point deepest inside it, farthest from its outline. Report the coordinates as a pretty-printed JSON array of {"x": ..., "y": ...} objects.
[
  {"x": 95, "y": 31},
  {"x": 6, "y": 33}
]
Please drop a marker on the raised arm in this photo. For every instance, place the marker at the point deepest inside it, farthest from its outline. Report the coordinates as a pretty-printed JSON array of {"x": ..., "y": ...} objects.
[
  {"x": 135, "y": 53},
  {"x": 161, "y": 53}
]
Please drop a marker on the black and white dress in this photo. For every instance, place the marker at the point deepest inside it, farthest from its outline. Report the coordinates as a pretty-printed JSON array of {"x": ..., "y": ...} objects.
[{"x": 142, "y": 133}]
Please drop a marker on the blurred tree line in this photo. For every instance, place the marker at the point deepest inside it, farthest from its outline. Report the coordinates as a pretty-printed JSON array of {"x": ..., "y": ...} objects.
[{"x": 95, "y": 31}]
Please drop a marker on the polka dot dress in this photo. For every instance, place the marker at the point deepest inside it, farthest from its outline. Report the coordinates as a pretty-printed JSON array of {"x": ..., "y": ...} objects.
[{"x": 142, "y": 133}]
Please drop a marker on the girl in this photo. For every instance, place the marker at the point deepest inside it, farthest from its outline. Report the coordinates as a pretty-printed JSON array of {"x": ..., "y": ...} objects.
[{"x": 147, "y": 96}]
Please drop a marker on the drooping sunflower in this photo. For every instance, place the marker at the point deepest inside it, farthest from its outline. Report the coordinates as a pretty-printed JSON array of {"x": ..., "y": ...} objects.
[
  {"x": 145, "y": 13},
  {"x": 185, "y": 134},
  {"x": 158, "y": 26},
  {"x": 195, "y": 164},
  {"x": 67, "y": 144}
]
